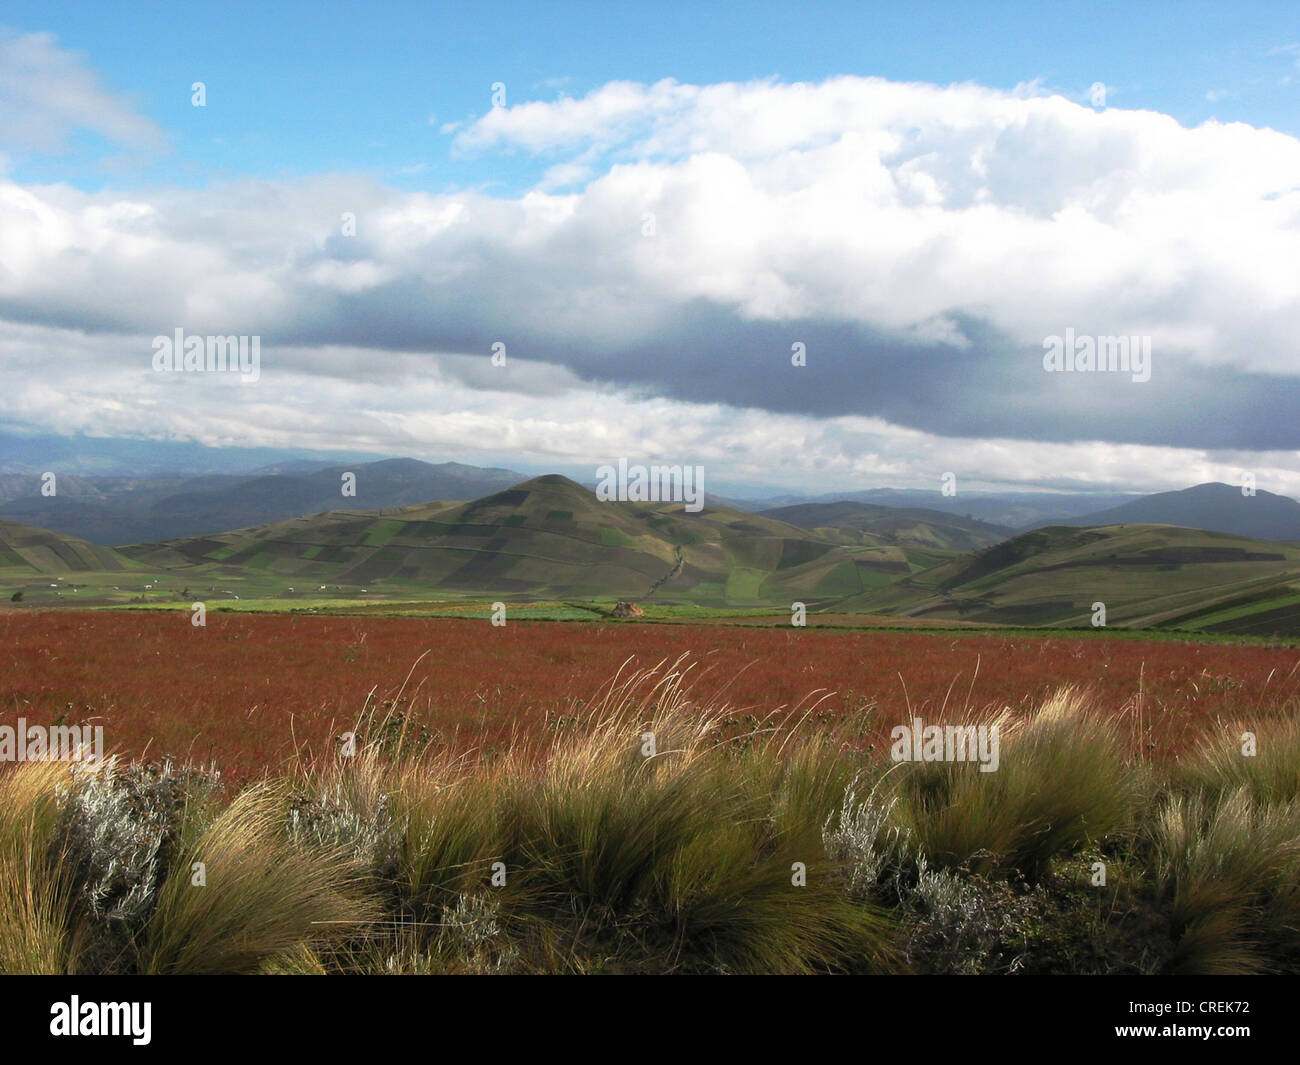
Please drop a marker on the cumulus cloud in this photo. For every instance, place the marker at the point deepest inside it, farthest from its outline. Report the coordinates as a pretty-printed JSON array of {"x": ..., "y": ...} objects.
[
  {"x": 919, "y": 241},
  {"x": 47, "y": 93}
]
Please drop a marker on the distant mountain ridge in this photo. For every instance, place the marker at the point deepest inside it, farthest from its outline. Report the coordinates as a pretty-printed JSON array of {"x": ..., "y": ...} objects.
[
  {"x": 1013, "y": 510},
  {"x": 118, "y": 511},
  {"x": 150, "y": 506},
  {"x": 1214, "y": 507},
  {"x": 919, "y": 526},
  {"x": 100, "y": 456}
]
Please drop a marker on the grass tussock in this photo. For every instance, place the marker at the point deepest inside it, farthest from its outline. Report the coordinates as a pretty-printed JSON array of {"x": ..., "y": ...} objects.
[
  {"x": 1062, "y": 783},
  {"x": 654, "y": 840},
  {"x": 1261, "y": 757},
  {"x": 240, "y": 893},
  {"x": 35, "y": 895},
  {"x": 1229, "y": 870},
  {"x": 657, "y": 835}
]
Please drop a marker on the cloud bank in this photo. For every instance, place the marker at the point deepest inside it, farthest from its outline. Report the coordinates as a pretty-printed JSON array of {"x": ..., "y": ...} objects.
[{"x": 918, "y": 242}]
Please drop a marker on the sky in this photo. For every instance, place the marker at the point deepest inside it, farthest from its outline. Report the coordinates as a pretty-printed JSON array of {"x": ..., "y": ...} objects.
[{"x": 808, "y": 247}]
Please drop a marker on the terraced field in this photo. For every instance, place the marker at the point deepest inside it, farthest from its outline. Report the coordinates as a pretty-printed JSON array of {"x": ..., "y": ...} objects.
[{"x": 1160, "y": 576}]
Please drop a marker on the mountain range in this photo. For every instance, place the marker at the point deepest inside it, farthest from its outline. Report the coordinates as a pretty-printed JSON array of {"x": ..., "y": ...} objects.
[
  {"x": 151, "y": 507},
  {"x": 550, "y": 539},
  {"x": 547, "y": 537},
  {"x": 126, "y": 510}
]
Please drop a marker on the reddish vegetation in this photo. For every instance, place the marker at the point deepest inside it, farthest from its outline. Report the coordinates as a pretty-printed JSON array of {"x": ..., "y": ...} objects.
[{"x": 244, "y": 690}]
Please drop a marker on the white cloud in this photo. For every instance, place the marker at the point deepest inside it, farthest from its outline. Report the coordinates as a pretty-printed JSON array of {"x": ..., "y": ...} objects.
[
  {"x": 46, "y": 93},
  {"x": 449, "y": 408},
  {"x": 951, "y": 227}
]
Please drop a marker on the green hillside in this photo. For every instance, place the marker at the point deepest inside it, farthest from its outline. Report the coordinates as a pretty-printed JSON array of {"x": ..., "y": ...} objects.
[
  {"x": 919, "y": 527},
  {"x": 546, "y": 538},
  {"x": 1146, "y": 575},
  {"x": 28, "y": 551},
  {"x": 551, "y": 541},
  {"x": 44, "y": 568}
]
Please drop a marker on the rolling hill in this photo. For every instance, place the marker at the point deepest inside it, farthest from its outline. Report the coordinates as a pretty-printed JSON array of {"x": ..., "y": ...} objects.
[
  {"x": 25, "y": 550},
  {"x": 38, "y": 567},
  {"x": 544, "y": 538},
  {"x": 549, "y": 539},
  {"x": 909, "y": 526},
  {"x": 1146, "y": 575},
  {"x": 1214, "y": 506}
]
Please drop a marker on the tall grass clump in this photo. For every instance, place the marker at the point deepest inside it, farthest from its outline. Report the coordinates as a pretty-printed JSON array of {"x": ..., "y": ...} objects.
[
  {"x": 619, "y": 853},
  {"x": 1228, "y": 870},
  {"x": 1221, "y": 765},
  {"x": 675, "y": 862},
  {"x": 263, "y": 895},
  {"x": 36, "y": 936},
  {"x": 1063, "y": 781},
  {"x": 417, "y": 825}
]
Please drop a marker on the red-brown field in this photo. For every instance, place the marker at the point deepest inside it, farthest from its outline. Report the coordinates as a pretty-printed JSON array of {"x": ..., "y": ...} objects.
[{"x": 248, "y": 690}]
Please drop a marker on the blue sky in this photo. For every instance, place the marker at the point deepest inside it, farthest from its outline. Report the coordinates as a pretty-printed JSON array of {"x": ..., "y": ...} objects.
[
  {"x": 669, "y": 200},
  {"x": 295, "y": 93}
]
